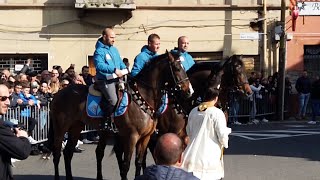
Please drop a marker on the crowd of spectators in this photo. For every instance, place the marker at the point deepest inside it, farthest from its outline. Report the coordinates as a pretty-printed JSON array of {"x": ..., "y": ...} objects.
[
  {"x": 29, "y": 90},
  {"x": 262, "y": 102}
]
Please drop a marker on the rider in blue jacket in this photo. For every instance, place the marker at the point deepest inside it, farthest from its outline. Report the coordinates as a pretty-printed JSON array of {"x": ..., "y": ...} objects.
[
  {"x": 186, "y": 59},
  {"x": 147, "y": 53},
  {"x": 107, "y": 62}
]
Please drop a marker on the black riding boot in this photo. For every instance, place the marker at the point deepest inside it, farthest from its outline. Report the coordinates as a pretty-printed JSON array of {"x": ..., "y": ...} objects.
[{"x": 107, "y": 109}]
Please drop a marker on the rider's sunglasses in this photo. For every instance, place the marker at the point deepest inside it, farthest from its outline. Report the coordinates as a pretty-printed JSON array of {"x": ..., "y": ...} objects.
[{"x": 4, "y": 98}]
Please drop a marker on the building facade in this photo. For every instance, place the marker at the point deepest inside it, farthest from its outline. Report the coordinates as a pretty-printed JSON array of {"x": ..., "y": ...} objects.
[
  {"x": 303, "y": 45},
  {"x": 64, "y": 32}
]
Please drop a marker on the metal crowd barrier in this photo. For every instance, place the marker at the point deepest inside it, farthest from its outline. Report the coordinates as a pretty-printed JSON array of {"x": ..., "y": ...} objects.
[
  {"x": 20, "y": 115},
  {"x": 261, "y": 106}
]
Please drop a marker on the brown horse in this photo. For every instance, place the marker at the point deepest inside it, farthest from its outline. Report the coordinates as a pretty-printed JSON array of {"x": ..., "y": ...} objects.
[
  {"x": 68, "y": 114},
  {"x": 228, "y": 75}
]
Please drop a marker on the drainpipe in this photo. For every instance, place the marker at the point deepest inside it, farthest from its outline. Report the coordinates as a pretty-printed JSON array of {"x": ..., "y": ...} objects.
[{"x": 265, "y": 68}]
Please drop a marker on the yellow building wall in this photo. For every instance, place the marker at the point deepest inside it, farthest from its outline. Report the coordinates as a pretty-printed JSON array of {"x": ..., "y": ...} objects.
[{"x": 69, "y": 36}]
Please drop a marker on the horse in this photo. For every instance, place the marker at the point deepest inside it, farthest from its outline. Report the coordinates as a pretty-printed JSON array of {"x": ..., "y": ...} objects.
[
  {"x": 68, "y": 114},
  {"x": 228, "y": 75}
]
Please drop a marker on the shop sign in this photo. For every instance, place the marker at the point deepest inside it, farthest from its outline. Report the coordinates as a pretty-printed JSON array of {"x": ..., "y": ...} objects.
[{"x": 309, "y": 8}]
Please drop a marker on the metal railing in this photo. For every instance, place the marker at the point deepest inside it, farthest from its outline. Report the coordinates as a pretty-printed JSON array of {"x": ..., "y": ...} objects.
[
  {"x": 21, "y": 114},
  {"x": 254, "y": 106}
]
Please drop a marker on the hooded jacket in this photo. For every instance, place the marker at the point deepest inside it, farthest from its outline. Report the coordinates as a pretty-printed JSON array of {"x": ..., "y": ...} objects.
[
  {"x": 161, "y": 172},
  {"x": 141, "y": 59},
  {"x": 186, "y": 59},
  {"x": 106, "y": 60}
]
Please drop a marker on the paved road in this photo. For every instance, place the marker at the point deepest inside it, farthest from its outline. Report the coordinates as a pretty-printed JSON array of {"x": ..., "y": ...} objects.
[{"x": 282, "y": 151}]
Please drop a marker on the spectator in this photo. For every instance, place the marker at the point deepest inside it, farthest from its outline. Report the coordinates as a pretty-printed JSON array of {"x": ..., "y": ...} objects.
[
  {"x": 64, "y": 84},
  {"x": 26, "y": 68},
  {"x": 315, "y": 100},
  {"x": 252, "y": 77},
  {"x": 60, "y": 70},
  {"x": 87, "y": 77},
  {"x": 303, "y": 86},
  {"x": 234, "y": 107},
  {"x": 253, "y": 98},
  {"x": 6, "y": 72},
  {"x": 261, "y": 96},
  {"x": 15, "y": 97},
  {"x": 45, "y": 76},
  {"x": 11, "y": 78},
  {"x": 46, "y": 92},
  {"x": 22, "y": 77},
  {"x": 29, "y": 102},
  {"x": 168, "y": 157},
  {"x": 54, "y": 83},
  {"x": 3, "y": 77},
  {"x": 12, "y": 145},
  {"x": 70, "y": 75},
  {"x": 79, "y": 80},
  {"x": 208, "y": 134}
]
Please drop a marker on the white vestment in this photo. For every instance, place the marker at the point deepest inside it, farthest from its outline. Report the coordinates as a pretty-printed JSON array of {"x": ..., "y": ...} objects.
[{"x": 208, "y": 133}]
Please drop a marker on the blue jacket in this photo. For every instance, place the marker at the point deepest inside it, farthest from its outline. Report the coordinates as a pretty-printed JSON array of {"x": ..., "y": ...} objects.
[
  {"x": 106, "y": 59},
  {"x": 186, "y": 59},
  {"x": 26, "y": 99},
  {"x": 161, "y": 172},
  {"x": 141, "y": 59}
]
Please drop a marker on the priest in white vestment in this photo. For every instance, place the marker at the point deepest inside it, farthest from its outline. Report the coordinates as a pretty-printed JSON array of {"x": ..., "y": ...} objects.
[{"x": 209, "y": 134}]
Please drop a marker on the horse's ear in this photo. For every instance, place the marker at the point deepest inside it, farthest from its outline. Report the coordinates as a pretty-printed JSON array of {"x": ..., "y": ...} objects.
[{"x": 170, "y": 57}]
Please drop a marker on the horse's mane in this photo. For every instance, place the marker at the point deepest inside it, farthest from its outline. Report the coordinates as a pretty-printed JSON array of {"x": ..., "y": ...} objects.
[{"x": 154, "y": 62}]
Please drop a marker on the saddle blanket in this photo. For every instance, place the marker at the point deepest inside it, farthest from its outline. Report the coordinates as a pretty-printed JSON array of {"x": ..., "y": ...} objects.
[{"x": 94, "y": 109}]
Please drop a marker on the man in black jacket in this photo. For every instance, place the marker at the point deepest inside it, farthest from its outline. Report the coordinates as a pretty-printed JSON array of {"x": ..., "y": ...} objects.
[
  {"x": 168, "y": 157},
  {"x": 303, "y": 86},
  {"x": 13, "y": 142}
]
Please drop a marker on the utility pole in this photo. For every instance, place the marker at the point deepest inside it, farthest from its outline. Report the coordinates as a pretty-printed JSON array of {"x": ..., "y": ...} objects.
[{"x": 282, "y": 63}]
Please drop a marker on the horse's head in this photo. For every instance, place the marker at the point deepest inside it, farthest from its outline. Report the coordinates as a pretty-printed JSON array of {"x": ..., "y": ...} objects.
[
  {"x": 179, "y": 81},
  {"x": 234, "y": 75}
]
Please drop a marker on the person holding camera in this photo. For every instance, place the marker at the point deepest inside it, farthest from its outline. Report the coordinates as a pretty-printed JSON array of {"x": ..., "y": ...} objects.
[{"x": 13, "y": 142}]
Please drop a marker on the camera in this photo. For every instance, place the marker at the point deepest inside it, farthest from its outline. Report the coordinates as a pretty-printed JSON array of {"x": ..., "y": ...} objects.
[{"x": 13, "y": 126}]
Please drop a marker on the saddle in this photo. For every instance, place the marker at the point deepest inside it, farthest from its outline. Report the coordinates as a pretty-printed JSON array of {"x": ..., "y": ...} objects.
[{"x": 95, "y": 96}]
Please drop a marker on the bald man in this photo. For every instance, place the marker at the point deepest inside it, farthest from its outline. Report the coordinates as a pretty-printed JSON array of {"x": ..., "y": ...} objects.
[
  {"x": 186, "y": 59},
  {"x": 12, "y": 145},
  {"x": 107, "y": 61},
  {"x": 168, "y": 157}
]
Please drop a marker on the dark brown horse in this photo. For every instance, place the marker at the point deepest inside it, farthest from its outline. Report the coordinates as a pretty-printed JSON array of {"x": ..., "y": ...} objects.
[
  {"x": 228, "y": 75},
  {"x": 68, "y": 114}
]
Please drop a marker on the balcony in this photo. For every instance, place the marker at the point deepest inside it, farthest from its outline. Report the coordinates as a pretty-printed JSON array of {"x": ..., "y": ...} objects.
[{"x": 105, "y": 4}]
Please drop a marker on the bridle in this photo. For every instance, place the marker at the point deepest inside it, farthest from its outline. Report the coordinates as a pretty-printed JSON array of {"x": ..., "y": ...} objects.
[{"x": 177, "y": 82}]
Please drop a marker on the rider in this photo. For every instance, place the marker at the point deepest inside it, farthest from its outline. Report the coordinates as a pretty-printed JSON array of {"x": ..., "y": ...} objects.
[
  {"x": 108, "y": 64},
  {"x": 186, "y": 59},
  {"x": 147, "y": 53}
]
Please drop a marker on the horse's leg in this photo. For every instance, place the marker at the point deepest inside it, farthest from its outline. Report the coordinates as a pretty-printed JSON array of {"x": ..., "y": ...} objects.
[
  {"x": 118, "y": 149},
  {"x": 128, "y": 151},
  {"x": 56, "y": 153},
  {"x": 151, "y": 145},
  {"x": 73, "y": 136},
  {"x": 100, "y": 152},
  {"x": 140, "y": 153}
]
